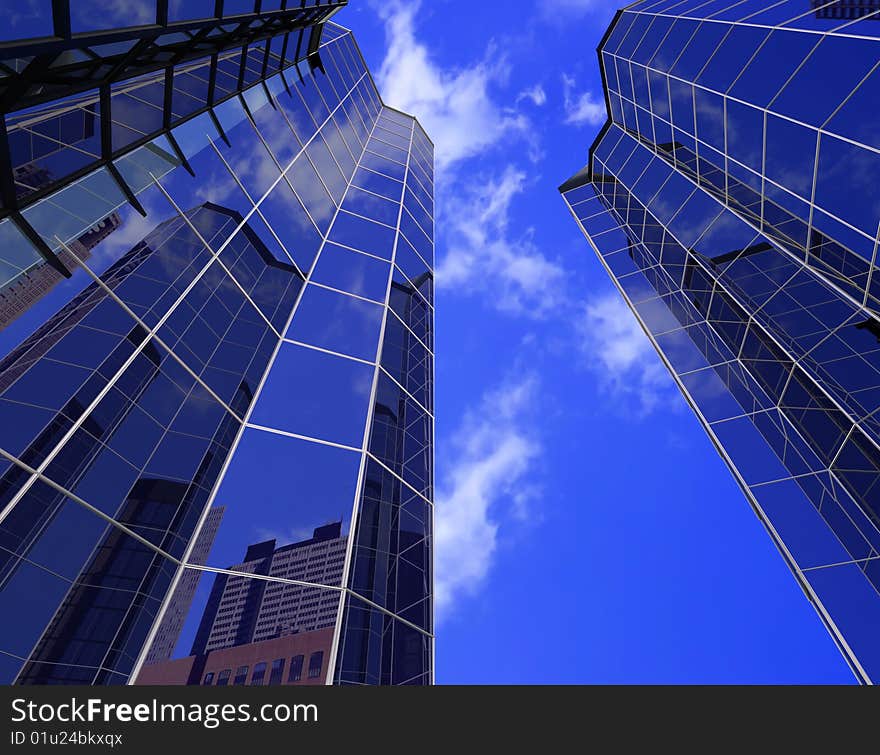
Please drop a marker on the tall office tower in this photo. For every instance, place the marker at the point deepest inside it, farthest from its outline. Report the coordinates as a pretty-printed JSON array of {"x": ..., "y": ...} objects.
[
  {"x": 253, "y": 336},
  {"x": 732, "y": 197}
]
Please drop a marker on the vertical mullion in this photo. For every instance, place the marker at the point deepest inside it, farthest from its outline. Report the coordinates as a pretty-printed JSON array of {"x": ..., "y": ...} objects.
[
  {"x": 242, "y": 65},
  {"x": 7, "y": 180},
  {"x": 61, "y": 18},
  {"x": 283, "y": 51},
  {"x": 106, "y": 124},
  {"x": 168, "y": 98}
]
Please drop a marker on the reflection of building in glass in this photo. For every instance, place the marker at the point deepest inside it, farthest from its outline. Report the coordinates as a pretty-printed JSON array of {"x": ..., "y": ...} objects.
[
  {"x": 745, "y": 244},
  {"x": 246, "y": 617},
  {"x": 241, "y": 342},
  {"x": 152, "y": 452},
  {"x": 45, "y": 147},
  {"x": 22, "y": 291},
  {"x": 845, "y": 9},
  {"x": 181, "y": 599},
  {"x": 392, "y": 563},
  {"x": 242, "y": 609}
]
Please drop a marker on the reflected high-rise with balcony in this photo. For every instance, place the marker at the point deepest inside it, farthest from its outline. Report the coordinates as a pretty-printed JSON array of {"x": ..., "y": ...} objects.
[
  {"x": 235, "y": 348},
  {"x": 732, "y": 196}
]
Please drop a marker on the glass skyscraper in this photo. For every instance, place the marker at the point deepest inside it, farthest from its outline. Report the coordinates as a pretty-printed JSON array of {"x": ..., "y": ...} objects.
[
  {"x": 733, "y": 196},
  {"x": 216, "y": 352}
]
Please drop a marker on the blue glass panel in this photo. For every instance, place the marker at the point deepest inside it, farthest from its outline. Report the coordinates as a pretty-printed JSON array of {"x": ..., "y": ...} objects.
[
  {"x": 382, "y": 165},
  {"x": 95, "y": 15},
  {"x": 338, "y": 149},
  {"x": 305, "y": 86},
  {"x": 308, "y": 186},
  {"x": 821, "y": 84},
  {"x": 283, "y": 211},
  {"x": 652, "y": 39},
  {"x": 745, "y": 134},
  {"x": 710, "y": 118},
  {"x": 248, "y": 157},
  {"x": 853, "y": 603},
  {"x": 366, "y": 659},
  {"x": 698, "y": 51},
  {"x": 102, "y": 566},
  {"x": 34, "y": 20},
  {"x": 772, "y": 66},
  {"x": 378, "y": 184},
  {"x": 353, "y": 272},
  {"x": 859, "y": 118},
  {"x": 857, "y": 168},
  {"x": 326, "y": 166},
  {"x": 331, "y": 395},
  {"x": 669, "y": 50},
  {"x": 191, "y": 9},
  {"x": 362, "y": 234},
  {"x": 791, "y": 154},
  {"x": 272, "y": 126},
  {"x": 371, "y": 206},
  {"x": 709, "y": 392},
  {"x": 55, "y": 146},
  {"x": 234, "y": 7},
  {"x": 337, "y": 322},
  {"x": 734, "y": 52}
]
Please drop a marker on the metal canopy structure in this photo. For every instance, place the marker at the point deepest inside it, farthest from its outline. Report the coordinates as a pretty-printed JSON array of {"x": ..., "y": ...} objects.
[
  {"x": 46, "y": 81},
  {"x": 37, "y": 71}
]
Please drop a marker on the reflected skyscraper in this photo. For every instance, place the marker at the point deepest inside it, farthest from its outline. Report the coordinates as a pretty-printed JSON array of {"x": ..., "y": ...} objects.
[
  {"x": 236, "y": 350},
  {"x": 846, "y": 9},
  {"x": 732, "y": 198},
  {"x": 245, "y": 616},
  {"x": 168, "y": 633}
]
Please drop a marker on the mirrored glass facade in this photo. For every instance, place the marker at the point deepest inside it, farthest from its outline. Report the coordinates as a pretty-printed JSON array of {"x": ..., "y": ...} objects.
[
  {"x": 732, "y": 197},
  {"x": 216, "y": 376}
]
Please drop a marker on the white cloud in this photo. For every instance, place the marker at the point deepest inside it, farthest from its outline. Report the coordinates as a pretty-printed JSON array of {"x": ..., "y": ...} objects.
[
  {"x": 622, "y": 357},
  {"x": 24, "y": 11},
  {"x": 536, "y": 94},
  {"x": 484, "y": 256},
  {"x": 116, "y": 12},
  {"x": 456, "y": 107},
  {"x": 598, "y": 13},
  {"x": 568, "y": 8},
  {"x": 494, "y": 453},
  {"x": 584, "y": 108}
]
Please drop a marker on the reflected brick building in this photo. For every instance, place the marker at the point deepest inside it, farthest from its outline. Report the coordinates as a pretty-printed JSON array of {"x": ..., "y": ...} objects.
[
  {"x": 731, "y": 197},
  {"x": 291, "y": 659},
  {"x": 22, "y": 291}
]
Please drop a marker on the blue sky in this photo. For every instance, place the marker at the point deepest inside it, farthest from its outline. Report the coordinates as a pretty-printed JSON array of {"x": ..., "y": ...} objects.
[{"x": 586, "y": 529}]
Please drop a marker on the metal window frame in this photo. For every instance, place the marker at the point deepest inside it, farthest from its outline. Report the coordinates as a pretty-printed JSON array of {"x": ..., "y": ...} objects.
[{"x": 144, "y": 57}]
